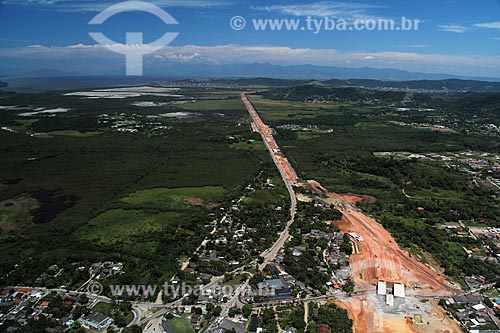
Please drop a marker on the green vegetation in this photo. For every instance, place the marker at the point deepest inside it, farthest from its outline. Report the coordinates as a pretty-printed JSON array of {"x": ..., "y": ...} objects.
[
  {"x": 304, "y": 267},
  {"x": 146, "y": 198},
  {"x": 344, "y": 161},
  {"x": 15, "y": 212},
  {"x": 101, "y": 197},
  {"x": 120, "y": 226},
  {"x": 268, "y": 321},
  {"x": 121, "y": 313},
  {"x": 292, "y": 317},
  {"x": 255, "y": 145},
  {"x": 181, "y": 325},
  {"x": 333, "y": 316},
  {"x": 104, "y": 308},
  {"x": 176, "y": 198},
  {"x": 74, "y": 133}
]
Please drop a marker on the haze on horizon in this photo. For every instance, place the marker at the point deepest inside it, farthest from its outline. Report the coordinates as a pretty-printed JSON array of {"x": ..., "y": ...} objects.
[{"x": 454, "y": 37}]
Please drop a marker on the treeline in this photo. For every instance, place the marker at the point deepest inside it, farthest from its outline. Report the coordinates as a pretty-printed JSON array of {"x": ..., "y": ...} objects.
[{"x": 310, "y": 93}]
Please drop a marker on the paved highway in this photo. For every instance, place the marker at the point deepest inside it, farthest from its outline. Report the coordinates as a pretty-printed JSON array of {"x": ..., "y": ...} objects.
[
  {"x": 287, "y": 174},
  {"x": 289, "y": 178}
]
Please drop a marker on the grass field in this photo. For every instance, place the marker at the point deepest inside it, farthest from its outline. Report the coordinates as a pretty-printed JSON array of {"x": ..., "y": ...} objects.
[
  {"x": 181, "y": 325},
  {"x": 177, "y": 198},
  {"x": 15, "y": 212},
  {"x": 104, "y": 308},
  {"x": 256, "y": 145},
  {"x": 124, "y": 226},
  {"x": 264, "y": 196},
  {"x": 214, "y": 105},
  {"x": 74, "y": 133}
]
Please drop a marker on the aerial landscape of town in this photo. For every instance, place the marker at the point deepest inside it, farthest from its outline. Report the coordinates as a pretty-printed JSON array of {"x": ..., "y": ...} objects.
[{"x": 238, "y": 187}]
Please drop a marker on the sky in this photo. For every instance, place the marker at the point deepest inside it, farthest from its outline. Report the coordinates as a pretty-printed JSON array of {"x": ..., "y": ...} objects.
[{"x": 455, "y": 37}]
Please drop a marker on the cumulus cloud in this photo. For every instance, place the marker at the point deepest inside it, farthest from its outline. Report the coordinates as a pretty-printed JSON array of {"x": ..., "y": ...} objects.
[
  {"x": 182, "y": 57},
  {"x": 240, "y": 54}
]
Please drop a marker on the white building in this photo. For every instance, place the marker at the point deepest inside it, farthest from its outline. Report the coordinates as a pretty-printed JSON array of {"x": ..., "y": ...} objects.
[
  {"x": 399, "y": 290},
  {"x": 381, "y": 288},
  {"x": 389, "y": 300},
  {"x": 479, "y": 307}
]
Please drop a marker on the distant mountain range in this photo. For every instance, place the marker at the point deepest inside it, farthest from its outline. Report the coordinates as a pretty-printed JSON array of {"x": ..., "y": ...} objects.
[
  {"x": 49, "y": 80},
  {"x": 450, "y": 85},
  {"x": 304, "y": 72},
  {"x": 298, "y": 72}
]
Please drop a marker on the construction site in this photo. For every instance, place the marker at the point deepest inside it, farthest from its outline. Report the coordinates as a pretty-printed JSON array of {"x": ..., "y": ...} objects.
[
  {"x": 394, "y": 293},
  {"x": 267, "y": 135}
]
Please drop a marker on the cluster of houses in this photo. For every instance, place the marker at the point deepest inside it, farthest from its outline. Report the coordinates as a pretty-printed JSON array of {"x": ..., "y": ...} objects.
[
  {"x": 310, "y": 128},
  {"x": 60, "y": 309},
  {"x": 130, "y": 124},
  {"x": 19, "y": 305},
  {"x": 106, "y": 269},
  {"x": 52, "y": 271},
  {"x": 474, "y": 312},
  {"x": 332, "y": 256},
  {"x": 232, "y": 240}
]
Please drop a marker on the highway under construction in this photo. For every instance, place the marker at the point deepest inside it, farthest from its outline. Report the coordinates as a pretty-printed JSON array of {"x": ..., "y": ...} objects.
[{"x": 378, "y": 257}]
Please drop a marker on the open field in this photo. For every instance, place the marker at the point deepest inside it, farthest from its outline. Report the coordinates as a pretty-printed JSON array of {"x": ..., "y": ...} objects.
[
  {"x": 181, "y": 325},
  {"x": 256, "y": 145},
  {"x": 177, "y": 198},
  {"x": 15, "y": 212},
  {"x": 120, "y": 226}
]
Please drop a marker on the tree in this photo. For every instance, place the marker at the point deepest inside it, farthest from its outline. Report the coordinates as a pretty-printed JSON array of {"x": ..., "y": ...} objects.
[
  {"x": 247, "y": 310},
  {"x": 348, "y": 287},
  {"x": 217, "y": 311},
  {"x": 83, "y": 299},
  {"x": 234, "y": 311}
]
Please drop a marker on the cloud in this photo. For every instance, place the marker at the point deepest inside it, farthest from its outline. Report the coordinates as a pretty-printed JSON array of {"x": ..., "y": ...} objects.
[
  {"x": 490, "y": 25},
  {"x": 345, "y": 10},
  {"x": 459, "y": 29},
  {"x": 99, "y": 5},
  {"x": 82, "y": 55},
  {"x": 416, "y": 46}
]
